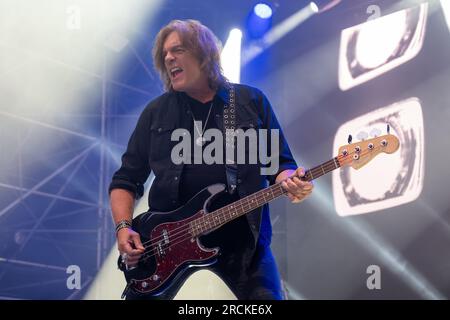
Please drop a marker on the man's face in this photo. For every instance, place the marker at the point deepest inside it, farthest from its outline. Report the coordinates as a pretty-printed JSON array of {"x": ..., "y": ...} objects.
[{"x": 182, "y": 66}]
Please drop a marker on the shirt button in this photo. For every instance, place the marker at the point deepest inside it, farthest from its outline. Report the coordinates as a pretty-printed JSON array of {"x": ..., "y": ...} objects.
[
  {"x": 176, "y": 178},
  {"x": 239, "y": 180},
  {"x": 159, "y": 129}
]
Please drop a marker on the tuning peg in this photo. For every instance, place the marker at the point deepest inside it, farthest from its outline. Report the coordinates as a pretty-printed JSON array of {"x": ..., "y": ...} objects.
[
  {"x": 362, "y": 135},
  {"x": 388, "y": 128},
  {"x": 375, "y": 132},
  {"x": 349, "y": 138}
]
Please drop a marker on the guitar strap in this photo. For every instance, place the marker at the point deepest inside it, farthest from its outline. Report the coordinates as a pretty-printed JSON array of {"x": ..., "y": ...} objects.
[{"x": 229, "y": 125}]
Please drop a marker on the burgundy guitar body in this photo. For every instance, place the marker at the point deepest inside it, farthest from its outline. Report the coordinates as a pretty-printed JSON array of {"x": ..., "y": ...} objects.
[{"x": 172, "y": 253}]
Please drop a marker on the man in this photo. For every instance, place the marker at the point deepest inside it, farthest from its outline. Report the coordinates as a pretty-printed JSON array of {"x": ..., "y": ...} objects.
[{"x": 187, "y": 57}]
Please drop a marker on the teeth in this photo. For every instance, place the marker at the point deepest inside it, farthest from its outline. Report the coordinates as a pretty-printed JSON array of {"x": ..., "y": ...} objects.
[{"x": 175, "y": 69}]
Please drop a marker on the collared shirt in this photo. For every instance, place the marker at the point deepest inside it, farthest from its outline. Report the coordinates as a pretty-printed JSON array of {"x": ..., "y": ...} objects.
[{"x": 149, "y": 149}]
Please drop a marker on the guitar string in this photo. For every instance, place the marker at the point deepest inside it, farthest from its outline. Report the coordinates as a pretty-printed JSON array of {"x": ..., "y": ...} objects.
[
  {"x": 176, "y": 241},
  {"x": 203, "y": 218},
  {"x": 212, "y": 216},
  {"x": 148, "y": 253},
  {"x": 241, "y": 202},
  {"x": 259, "y": 197},
  {"x": 183, "y": 230},
  {"x": 181, "y": 239},
  {"x": 314, "y": 172}
]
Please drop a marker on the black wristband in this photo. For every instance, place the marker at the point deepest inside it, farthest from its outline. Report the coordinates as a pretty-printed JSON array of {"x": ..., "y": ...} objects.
[{"x": 123, "y": 224}]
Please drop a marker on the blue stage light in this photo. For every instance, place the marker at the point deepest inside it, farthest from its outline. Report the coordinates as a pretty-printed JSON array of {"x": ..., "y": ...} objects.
[
  {"x": 263, "y": 10},
  {"x": 259, "y": 20}
]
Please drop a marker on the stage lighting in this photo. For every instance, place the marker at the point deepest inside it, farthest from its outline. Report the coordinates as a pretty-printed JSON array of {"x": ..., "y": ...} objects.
[
  {"x": 263, "y": 10},
  {"x": 116, "y": 42},
  {"x": 388, "y": 180},
  {"x": 257, "y": 46},
  {"x": 231, "y": 56},
  {"x": 320, "y": 6},
  {"x": 314, "y": 7},
  {"x": 377, "y": 46},
  {"x": 445, "y": 4},
  {"x": 259, "y": 20}
]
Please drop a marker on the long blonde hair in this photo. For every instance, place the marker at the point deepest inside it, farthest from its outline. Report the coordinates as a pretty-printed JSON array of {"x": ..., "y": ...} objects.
[{"x": 200, "y": 41}]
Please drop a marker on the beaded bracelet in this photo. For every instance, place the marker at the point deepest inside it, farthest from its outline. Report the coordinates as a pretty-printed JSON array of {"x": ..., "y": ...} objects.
[{"x": 123, "y": 224}]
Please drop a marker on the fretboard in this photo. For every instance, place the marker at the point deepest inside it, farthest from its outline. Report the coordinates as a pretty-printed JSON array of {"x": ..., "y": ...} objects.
[{"x": 245, "y": 205}]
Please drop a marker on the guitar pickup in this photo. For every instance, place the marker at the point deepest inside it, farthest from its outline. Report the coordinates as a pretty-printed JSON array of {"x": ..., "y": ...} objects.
[{"x": 163, "y": 244}]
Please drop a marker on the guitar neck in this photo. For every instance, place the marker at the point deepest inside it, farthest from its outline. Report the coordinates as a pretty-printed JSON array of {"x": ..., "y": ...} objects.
[{"x": 245, "y": 205}]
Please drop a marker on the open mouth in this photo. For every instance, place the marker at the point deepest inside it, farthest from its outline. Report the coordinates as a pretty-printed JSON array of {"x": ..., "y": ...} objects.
[{"x": 175, "y": 72}]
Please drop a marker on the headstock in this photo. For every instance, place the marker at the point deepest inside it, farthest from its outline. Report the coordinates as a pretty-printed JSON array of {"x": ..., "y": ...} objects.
[{"x": 358, "y": 154}]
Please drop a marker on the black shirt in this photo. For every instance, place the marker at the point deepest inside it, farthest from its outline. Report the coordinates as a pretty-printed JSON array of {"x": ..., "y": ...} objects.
[{"x": 197, "y": 176}]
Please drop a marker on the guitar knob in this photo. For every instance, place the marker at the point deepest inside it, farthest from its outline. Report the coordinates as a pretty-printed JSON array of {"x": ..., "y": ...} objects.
[
  {"x": 370, "y": 146},
  {"x": 344, "y": 152},
  {"x": 144, "y": 284},
  {"x": 358, "y": 149},
  {"x": 155, "y": 277},
  {"x": 384, "y": 143}
]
